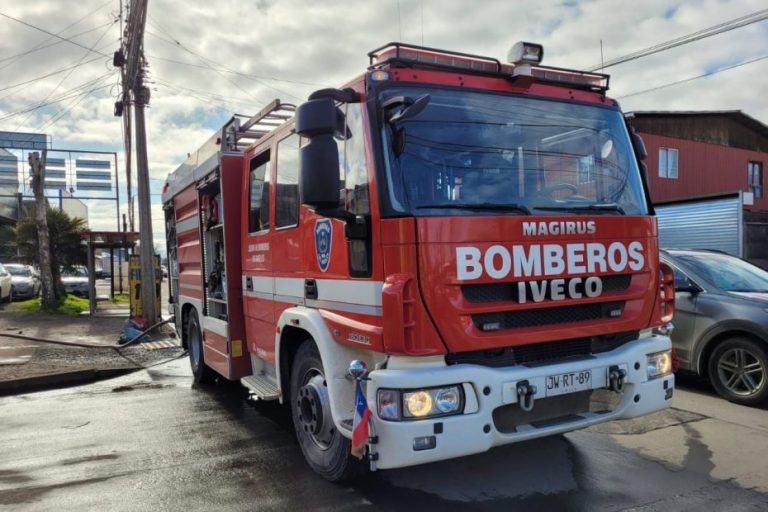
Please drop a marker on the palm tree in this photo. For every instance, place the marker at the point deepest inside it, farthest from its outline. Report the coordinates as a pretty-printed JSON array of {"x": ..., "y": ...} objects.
[{"x": 66, "y": 243}]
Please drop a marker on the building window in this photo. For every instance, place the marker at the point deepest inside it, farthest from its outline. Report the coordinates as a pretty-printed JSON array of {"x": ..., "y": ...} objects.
[
  {"x": 287, "y": 187},
  {"x": 668, "y": 163},
  {"x": 755, "y": 174},
  {"x": 258, "y": 215}
]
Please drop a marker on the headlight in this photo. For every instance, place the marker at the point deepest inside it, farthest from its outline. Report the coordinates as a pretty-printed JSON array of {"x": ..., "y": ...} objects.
[
  {"x": 659, "y": 364},
  {"x": 418, "y": 404}
]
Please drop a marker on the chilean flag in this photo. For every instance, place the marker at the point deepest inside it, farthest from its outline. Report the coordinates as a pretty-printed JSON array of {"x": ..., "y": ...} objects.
[{"x": 360, "y": 422}]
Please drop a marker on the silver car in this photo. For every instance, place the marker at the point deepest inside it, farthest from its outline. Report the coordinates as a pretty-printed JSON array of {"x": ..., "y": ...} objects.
[
  {"x": 75, "y": 281},
  {"x": 26, "y": 282},
  {"x": 721, "y": 322},
  {"x": 6, "y": 285}
]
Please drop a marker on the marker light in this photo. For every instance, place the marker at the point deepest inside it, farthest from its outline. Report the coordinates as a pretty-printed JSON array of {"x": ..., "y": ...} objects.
[
  {"x": 525, "y": 53},
  {"x": 378, "y": 76}
]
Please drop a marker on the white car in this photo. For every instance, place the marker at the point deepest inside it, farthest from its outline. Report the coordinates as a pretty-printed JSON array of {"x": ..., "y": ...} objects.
[{"x": 6, "y": 284}]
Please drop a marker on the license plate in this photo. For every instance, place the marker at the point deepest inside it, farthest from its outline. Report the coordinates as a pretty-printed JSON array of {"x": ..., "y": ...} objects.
[{"x": 568, "y": 382}]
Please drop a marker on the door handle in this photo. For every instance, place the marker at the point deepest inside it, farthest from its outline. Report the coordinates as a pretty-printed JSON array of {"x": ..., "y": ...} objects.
[{"x": 310, "y": 289}]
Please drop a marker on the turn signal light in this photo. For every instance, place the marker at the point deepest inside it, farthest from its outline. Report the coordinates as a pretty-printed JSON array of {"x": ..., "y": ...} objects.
[{"x": 666, "y": 293}]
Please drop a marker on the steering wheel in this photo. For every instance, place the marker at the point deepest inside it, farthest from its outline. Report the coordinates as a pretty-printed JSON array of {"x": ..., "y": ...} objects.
[{"x": 547, "y": 191}]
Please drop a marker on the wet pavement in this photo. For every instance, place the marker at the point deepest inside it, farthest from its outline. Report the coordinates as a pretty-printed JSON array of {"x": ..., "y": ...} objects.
[{"x": 151, "y": 441}]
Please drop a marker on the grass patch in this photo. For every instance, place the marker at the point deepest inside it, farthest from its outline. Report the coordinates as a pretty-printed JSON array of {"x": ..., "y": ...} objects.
[
  {"x": 71, "y": 306},
  {"x": 120, "y": 298}
]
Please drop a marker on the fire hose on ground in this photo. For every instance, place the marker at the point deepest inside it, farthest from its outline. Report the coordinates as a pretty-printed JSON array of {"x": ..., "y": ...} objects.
[{"x": 116, "y": 347}]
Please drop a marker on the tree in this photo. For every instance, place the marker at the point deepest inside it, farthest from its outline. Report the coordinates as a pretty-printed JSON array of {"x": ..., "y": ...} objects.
[
  {"x": 7, "y": 239},
  {"x": 49, "y": 297},
  {"x": 66, "y": 243}
]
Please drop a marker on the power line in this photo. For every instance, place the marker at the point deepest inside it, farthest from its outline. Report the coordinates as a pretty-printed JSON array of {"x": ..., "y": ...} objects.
[
  {"x": 213, "y": 63},
  {"x": 75, "y": 102},
  {"x": 694, "y": 36},
  {"x": 238, "y": 73},
  {"x": 38, "y": 48},
  {"x": 207, "y": 94},
  {"x": 64, "y": 79},
  {"x": 52, "y": 34},
  {"x": 48, "y": 75},
  {"x": 66, "y": 95},
  {"x": 705, "y": 75}
]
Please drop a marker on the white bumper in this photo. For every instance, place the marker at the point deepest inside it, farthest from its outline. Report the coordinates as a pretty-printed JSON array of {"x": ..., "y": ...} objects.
[{"x": 475, "y": 431}]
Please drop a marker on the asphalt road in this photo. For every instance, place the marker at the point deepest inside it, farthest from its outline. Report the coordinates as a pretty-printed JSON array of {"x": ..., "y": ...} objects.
[{"x": 150, "y": 441}]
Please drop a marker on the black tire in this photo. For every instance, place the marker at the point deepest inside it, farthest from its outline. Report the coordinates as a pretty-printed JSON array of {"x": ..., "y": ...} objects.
[
  {"x": 200, "y": 371},
  {"x": 328, "y": 452},
  {"x": 738, "y": 370}
]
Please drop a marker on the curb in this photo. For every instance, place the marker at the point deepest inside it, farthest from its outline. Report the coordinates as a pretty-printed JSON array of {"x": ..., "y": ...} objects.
[{"x": 60, "y": 380}]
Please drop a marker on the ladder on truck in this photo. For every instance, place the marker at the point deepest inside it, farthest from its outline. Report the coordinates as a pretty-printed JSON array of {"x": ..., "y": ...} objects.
[{"x": 242, "y": 131}]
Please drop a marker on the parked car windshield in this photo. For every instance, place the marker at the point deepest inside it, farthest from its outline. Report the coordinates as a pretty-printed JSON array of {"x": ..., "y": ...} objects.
[
  {"x": 75, "y": 272},
  {"x": 19, "y": 270},
  {"x": 727, "y": 273},
  {"x": 473, "y": 151}
]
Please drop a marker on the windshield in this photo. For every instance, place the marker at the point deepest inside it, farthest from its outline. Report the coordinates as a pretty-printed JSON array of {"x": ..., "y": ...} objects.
[
  {"x": 18, "y": 270},
  {"x": 74, "y": 272},
  {"x": 726, "y": 272},
  {"x": 471, "y": 152}
]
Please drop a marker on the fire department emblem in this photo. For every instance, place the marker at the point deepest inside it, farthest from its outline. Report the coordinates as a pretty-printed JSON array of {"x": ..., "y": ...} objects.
[{"x": 323, "y": 232}]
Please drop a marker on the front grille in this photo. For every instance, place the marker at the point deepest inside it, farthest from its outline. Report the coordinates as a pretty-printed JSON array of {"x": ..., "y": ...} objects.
[
  {"x": 498, "y": 292},
  {"x": 547, "y": 316},
  {"x": 538, "y": 353}
]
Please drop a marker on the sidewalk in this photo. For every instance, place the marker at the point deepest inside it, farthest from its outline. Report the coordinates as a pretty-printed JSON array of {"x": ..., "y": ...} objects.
[{"x": 27, "y": 365}]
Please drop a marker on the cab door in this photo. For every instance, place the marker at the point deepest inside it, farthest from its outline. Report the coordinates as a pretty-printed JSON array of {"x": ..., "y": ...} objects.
[
  {"x": 258, "y": 275},
  {"x": 290, "y": 285}
]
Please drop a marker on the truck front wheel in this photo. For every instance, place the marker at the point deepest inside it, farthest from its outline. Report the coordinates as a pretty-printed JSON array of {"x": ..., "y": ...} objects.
[{"x": 324, "y": 448}]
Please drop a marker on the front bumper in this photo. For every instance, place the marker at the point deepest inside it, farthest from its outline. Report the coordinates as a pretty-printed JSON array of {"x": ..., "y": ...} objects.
[
  {"x": 487, "y": 389},
  {"x": 23, "y": 292}
]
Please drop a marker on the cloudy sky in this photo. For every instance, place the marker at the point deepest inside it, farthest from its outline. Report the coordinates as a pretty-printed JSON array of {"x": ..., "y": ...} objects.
[{"x": 209, "y": 59}]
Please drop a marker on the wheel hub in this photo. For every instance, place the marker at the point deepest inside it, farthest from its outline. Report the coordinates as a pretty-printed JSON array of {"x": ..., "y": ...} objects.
[
  {"x": 741, "y": 372},
  {"x": 314, "y": 411}
]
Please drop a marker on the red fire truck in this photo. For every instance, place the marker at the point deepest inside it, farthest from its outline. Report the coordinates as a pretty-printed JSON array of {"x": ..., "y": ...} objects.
[{"x": 474, "y": 237}]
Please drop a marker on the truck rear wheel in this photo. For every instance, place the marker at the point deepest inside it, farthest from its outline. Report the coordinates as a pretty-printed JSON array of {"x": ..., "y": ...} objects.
[
  {"x": 201, "y": 373},
  {"x": 324, "y": 448}
]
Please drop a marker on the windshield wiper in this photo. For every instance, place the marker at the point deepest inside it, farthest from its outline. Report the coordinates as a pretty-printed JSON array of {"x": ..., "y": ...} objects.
[
  {"x": 584, "y": 208},
  {"x": 481, "y": 206}
]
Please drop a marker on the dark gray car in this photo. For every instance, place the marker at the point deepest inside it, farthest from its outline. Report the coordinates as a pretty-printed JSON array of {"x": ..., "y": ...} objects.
[{"x": 721, "y": 322}]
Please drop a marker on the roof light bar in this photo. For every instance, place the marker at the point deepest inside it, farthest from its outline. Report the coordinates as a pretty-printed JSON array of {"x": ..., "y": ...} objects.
[
  {"x": 581, "y": 79},
  {"x": 406, "y": 53},
  {"x": 524, "y": 58}
]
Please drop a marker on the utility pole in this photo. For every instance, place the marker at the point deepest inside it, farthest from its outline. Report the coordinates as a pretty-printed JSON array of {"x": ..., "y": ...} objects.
[
  {"x": 48, "y": 287},
  {"x": 131, "y": 58}
]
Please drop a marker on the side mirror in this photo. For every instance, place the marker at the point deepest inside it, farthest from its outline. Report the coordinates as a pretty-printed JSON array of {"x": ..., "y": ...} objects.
[
  {"x": 683, "y": 284},
  {"x": 319, "y": 168},
  {"x": 639, "y": 145}
]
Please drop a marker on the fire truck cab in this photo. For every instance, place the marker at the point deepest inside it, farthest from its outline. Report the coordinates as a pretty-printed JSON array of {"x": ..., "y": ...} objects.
[{"x": 475, "y": 237}]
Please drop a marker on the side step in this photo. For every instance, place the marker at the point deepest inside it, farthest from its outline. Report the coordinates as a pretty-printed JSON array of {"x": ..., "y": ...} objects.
[{"x": 261, "y": 387}]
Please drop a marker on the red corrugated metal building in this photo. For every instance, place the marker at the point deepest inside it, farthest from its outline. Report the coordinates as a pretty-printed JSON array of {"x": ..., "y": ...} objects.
[{"x": 695, "y": 154}]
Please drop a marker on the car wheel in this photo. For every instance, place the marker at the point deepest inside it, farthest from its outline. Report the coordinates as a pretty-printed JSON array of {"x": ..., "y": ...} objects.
[
  {"x": 200, "y": 371},
  {"x": 738, "y": 369},
  {"x": 324, "y": 448}
]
